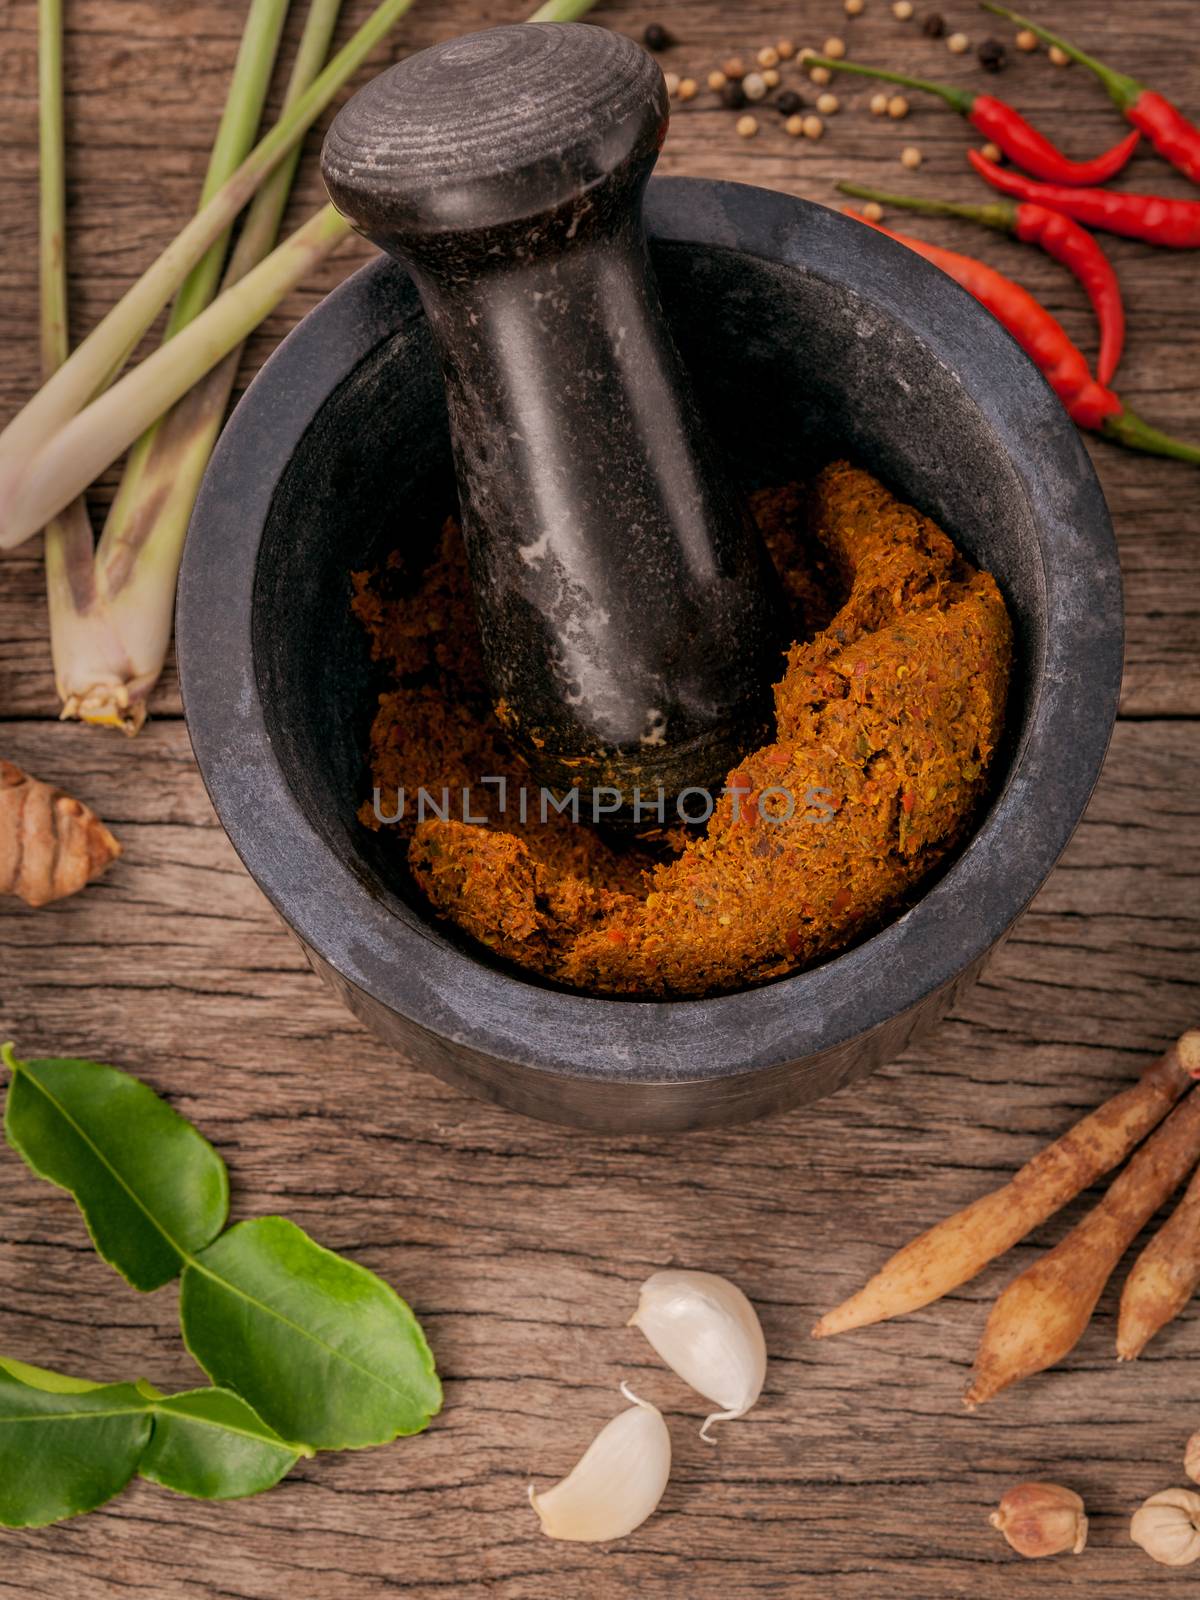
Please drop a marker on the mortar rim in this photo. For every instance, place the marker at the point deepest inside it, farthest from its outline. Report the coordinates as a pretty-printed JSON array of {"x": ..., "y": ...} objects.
[{"x": 401, "y": 960}]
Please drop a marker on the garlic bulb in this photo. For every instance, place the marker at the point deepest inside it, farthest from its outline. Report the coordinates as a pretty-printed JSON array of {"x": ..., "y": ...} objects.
[
  {"x": 1041, "y": 1519},
  {"x": 616, "y": 1483},
  {"x": 1168, "y": 1527},
  {"x": 706, "y": 1330}
]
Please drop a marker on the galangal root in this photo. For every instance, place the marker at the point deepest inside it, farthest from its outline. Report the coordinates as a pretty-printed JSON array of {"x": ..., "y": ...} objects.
[
  {"x": 1042, "y": 1313},
  {"x": 1163, "y": 1278},
  {"x": 955, "y": 1250},
  {"x": 51, "y": 844}
]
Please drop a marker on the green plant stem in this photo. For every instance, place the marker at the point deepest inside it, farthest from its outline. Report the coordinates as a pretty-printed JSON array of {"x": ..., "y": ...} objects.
[
  {"x": 235, "y": 138},
  {"x": 108, "y": 659},
  {"x": 999, "y": 215},
  {"x": 102, "y": 352},
  {"x": 94, "y": 660},
  {"x": 52, "y": 191},
  {"x": 1125, "y": 427},
  {"x": 1123, "y": 89},
  {"x": 93, "y": 439},
  {"x": 960, "y": 99},
  {"x": 109, "y": 654},
  {"x": 562, "y": 11},
  {"x": 69, "y": 570}
]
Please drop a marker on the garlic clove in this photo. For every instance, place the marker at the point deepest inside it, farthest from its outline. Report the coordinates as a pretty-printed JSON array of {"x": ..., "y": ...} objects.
[
  {"x": 706, "y": 1330},
  {"x": 1041, "y": 1519},
  {"x": 615, "y": 1484},
  {"x": 1168, "y": 1527}
]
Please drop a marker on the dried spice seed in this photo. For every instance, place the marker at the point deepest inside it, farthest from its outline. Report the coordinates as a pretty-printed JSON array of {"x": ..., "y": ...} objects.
[
  {"x": 688, "y": 88},
  {"x": 902, "y": 10},
  {"x": 934, "y": 25},
  {"x": 1042, "y": 1519},
  {"x": 854, "y": 8},
  {"x": 672, "y": 81},
  {"x": 747, "y": 127},
  {"x": 835, "y": 49},
  {"x": 1059, "y": 57},
  {"x": 1167, "y": 1527},
  {"x": 813, "y": 127},
  {"x": 896, "y": 107},
  {"x": 717, "y": 80},
  {"x": 873, "y": 212},
  {"x": 794, "y": 126},
  {"x": 1027, "y": 40},
  {"x": 734, "y": 67},
  {"x": 958, "y": 44},
  {"x": 827, "y": 104},
  {"x": 820, "y": 76},
  {"x": 991, "y": 152},
  {"x": 656, "y": 37},
  {"x": 993, "y": 57},
  {"x": 754, "y": 86},
  {"x": 733, "y": 95},
  {"x": 788, "y": 103},
  {"x": 768, "y": 56},
  {"x": 786, "y": 48},
  {"x": 910, "y": 157},
  {"x": 771, "y": 78}
]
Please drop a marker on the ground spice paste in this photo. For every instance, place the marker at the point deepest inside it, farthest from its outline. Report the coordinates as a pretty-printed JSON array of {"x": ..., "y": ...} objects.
[{"x": 887, "y": 714}]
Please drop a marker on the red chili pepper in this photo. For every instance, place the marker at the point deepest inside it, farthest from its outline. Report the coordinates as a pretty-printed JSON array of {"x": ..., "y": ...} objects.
[
  {"x": 1007, "y": 128},
  {"x": 1074, "y": 248},
  {"x": 1069, "y": 244},
  {"x": 1090, "y": 404},
  {"x": 1153, "y": 217},
  {"x": 1175, "y": 138}
]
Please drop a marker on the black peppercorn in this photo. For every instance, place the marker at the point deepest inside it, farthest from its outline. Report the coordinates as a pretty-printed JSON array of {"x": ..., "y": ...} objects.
[
  {"x": 788, "y": 102},
  {"x": 934, "y": 25},
  {"x": 656, "y": 37},
  {"x": 992, "y": 55},
  {"x": 733, "y": 96}
]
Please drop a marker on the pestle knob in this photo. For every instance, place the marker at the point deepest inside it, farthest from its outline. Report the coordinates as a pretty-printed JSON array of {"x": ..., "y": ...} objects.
[{"x": 628, "y": 611}]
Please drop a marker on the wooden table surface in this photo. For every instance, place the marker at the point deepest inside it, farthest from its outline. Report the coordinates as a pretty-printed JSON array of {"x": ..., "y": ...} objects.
[{"x": 522, "y": 1246}]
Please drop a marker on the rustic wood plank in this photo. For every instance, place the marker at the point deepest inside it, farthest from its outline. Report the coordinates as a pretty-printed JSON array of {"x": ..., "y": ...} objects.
[
  {"x": 130, "y": 187},
  {"x": 521, "y": 1245}
]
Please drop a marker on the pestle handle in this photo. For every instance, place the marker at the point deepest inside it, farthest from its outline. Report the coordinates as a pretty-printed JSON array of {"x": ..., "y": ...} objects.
[
  {"x": 490, "y": 132},
  {"x": 628, "y": 612}
]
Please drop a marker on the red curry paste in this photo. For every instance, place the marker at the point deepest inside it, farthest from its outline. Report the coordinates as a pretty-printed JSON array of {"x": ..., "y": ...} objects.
[{"x": 887, "y": 715}]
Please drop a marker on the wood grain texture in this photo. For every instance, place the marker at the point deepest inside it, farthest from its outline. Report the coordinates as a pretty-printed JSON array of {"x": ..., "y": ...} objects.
[{"x": 521, "y": 1246}]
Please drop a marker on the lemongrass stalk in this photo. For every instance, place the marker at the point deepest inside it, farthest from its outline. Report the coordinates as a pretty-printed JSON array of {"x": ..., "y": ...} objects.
[
  {"x": 105, "y": 673},
  {"x": 94, "y": 438},
  {"x": 137, "y": 563},
  {"x": 244, "y": 102},
  {"x": 143, "y": 538},
  {"x": 52, "y": 276},
  {"x": 96, "y": 359},
  {"x": 235, "y": 137},
  {"x": 163, "y": 471},
  {"x": 93, "y": 661},
  {"x": 561, "y": 11},
  {"x": 69, "y": 560}
]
